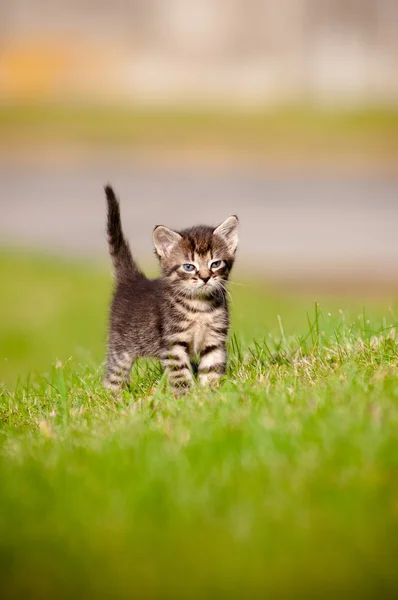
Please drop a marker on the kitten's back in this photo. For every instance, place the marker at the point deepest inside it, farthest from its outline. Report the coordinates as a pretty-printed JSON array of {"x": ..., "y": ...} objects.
[{"x": 136, "y": 314}]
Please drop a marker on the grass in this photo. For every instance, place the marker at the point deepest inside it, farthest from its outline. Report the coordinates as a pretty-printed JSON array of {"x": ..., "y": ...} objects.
[
  {"x": 282, "y": 483},
  {"x": 288, "y": 134}
]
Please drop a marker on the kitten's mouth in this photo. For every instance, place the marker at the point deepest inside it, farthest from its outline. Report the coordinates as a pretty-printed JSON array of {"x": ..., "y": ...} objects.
[{"x": 206, "y": 289}]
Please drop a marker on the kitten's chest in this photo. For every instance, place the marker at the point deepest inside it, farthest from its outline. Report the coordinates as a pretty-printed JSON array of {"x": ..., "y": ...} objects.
[
  {"x": 199, "y": 333},
  {"x": 201, "y": 325}
]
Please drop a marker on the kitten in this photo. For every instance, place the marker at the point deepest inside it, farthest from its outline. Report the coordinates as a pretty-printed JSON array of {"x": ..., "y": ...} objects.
[{"x": 182, "y": 315}]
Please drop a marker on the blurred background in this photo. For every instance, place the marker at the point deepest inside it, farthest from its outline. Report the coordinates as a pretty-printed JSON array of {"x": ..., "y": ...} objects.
[{"x": 285, "y": 113}]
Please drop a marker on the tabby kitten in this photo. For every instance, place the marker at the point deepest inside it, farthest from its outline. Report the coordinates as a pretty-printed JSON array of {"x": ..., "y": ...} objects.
[{"x": 178, "y": 318}]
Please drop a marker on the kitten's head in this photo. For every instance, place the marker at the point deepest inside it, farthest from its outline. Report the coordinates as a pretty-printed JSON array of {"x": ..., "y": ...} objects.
[{"x": 198, "y": 260}]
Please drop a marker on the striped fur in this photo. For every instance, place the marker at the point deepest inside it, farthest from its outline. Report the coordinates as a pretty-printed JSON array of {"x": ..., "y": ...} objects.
[{"x": 179, "y": 318}]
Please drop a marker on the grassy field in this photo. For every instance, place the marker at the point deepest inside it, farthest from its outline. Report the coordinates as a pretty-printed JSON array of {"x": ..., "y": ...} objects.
[
  {"x": 282, "y": 483},
  {"x": 286, "y": 135}
]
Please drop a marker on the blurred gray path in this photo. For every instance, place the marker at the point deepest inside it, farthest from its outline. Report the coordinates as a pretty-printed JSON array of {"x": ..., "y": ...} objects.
[{"x": 289, "y": 227}]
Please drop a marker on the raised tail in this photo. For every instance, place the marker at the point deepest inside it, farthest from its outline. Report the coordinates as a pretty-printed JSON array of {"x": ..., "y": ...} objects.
[{"x": 123, "y": 262}]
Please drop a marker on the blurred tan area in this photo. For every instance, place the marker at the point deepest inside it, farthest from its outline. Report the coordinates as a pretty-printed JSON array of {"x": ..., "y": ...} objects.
[
  {"x": 200, "y": 51},
  {"x": 284, "y": 112}
]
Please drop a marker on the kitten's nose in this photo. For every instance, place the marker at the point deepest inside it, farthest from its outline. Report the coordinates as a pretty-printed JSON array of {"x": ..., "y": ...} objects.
[{"x": 205, "y": 279}]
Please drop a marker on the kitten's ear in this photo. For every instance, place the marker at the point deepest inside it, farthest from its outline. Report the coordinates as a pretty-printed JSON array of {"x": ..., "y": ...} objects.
[
  {"x": 164, "y": 240},
  {"x": 228, "y": 230}
]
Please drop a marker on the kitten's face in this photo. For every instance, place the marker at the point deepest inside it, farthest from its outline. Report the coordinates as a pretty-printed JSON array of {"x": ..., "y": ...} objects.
[{"x": 199, "y": 259}]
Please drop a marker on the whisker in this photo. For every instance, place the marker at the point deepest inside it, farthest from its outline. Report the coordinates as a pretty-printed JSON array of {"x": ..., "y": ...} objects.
[
  {"x": 240, "y": 284},
  {"x": 229, "y": 295}
]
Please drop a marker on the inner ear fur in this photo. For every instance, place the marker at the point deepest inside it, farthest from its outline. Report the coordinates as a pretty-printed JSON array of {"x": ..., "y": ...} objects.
[
  {"x": 164, "y": 240},
  {"x": 228, "y": 230}
]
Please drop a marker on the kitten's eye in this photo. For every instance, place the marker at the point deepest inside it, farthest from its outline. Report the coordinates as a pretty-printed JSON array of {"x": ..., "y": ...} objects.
[
  {"x": 188, "y": 267},
  {"x": 216, "y": 264}
]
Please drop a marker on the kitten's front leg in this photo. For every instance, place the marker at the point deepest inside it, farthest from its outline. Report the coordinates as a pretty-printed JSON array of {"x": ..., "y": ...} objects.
[
  {"x": 212, "y": 365},
  {"x": 178, "y": 368}
]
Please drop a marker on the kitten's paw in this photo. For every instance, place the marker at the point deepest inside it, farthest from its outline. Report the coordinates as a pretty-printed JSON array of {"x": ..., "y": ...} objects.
[
  {"x": 181, "y": 390},
  {"x": 210, "y": 380}
]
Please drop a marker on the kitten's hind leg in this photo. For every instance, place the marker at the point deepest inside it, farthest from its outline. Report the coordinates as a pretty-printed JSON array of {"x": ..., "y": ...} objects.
[
  {"x": 177, "y": 365},
  {"x": 118, "y": 369}
]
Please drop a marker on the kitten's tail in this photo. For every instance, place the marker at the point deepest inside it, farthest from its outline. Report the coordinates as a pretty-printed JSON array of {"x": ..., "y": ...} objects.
[{"x": 123, "y": 262}]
